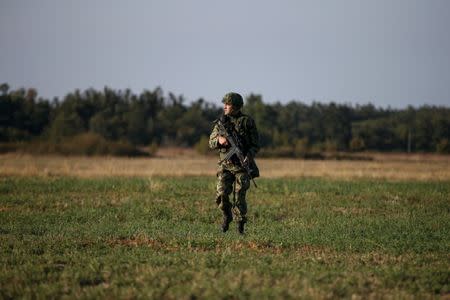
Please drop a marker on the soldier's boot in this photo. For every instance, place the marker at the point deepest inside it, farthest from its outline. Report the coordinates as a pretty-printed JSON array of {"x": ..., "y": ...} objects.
[
  {"x": 227, "y": 218},
  {"x": 241, "y": 226}
]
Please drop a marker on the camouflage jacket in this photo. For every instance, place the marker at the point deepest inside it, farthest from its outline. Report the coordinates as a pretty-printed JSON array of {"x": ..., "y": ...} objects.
[{"x": 246, "y": 130}]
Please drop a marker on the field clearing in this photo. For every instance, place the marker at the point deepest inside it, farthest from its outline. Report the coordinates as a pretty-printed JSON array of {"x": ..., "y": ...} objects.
[
  {"x": 107, "y": 227},
  {"x": 159, "y": 238},
  {"x": 392, "y": 167}
]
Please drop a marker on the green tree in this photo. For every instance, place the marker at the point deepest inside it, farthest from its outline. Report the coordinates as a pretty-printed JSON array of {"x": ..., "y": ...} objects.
[
  {"x": 4, "y": 88},
  {"x": 66, "y": 125}
]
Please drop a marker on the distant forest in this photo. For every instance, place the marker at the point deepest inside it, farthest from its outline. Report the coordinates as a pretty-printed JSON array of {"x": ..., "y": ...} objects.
[{"x": 119, "y": 122}]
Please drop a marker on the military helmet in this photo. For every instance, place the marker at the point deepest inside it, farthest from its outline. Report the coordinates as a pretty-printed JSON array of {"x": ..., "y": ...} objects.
[{"x": 234, "y": 99}]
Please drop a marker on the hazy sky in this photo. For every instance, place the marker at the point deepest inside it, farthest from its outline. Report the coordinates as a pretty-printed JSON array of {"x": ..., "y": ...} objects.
[{"x": 388, "y": 52}]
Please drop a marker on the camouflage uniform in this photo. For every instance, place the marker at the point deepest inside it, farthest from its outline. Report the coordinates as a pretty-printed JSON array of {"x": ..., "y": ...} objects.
[{"x": 231, "y": 171}]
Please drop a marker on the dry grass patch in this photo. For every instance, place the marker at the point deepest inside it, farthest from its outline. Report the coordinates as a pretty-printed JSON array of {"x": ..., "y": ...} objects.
[
  {"x": 139, "y": 242},
  {"x": 354, "y": 210},
  {"x": 156, "y": 185},
  {"x": 421, "y": 168}
]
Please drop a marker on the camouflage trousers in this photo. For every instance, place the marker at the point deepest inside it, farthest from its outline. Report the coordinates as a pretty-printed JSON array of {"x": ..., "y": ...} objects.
[{"x": 225, "y": 181}]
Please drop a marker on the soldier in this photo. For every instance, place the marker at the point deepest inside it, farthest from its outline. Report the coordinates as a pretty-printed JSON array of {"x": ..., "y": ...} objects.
[{"x": 231, "y": 172}]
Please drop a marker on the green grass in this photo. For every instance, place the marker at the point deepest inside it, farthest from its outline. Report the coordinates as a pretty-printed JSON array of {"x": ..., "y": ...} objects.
[{"x": 160, "y": 238}]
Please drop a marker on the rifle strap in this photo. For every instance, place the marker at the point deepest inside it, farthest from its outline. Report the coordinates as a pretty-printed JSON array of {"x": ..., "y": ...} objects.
[{"x": 234, "y": 192}]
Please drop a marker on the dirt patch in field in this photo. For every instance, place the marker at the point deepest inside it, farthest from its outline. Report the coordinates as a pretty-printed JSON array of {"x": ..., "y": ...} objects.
[
  {"x": 137, "y": 242},
  {"x": 255, "y": 246},
  {"x": 268, "y": 247},
  {"x": 353, "y": 210},
  {"x": 142, "y": 242},
  {"x": 312, "y": 253}
]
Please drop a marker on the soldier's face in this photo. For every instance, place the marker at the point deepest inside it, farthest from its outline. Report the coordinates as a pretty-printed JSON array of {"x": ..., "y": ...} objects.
[{"x": 227, "y": 109}]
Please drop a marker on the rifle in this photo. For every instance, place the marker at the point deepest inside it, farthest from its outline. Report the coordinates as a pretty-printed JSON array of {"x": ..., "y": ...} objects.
[{"x": 223, "y": 124}]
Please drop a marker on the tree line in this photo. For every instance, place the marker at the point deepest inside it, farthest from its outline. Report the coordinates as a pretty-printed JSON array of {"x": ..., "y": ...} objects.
[{"x": 153, "y": 118}]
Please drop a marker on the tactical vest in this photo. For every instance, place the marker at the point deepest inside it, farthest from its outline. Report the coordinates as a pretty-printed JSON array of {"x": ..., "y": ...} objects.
[{"x": 240, "y": 123}]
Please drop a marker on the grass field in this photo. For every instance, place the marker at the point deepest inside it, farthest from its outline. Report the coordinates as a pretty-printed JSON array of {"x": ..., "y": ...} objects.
[{"x": 142, "y": 236}]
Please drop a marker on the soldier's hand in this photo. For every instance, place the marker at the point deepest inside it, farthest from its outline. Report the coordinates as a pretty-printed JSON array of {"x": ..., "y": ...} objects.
[{"x": 223, "y": 141}]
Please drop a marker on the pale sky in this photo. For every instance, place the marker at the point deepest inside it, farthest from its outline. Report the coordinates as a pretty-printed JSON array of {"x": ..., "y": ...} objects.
[{"x": 388, "y": 52}]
